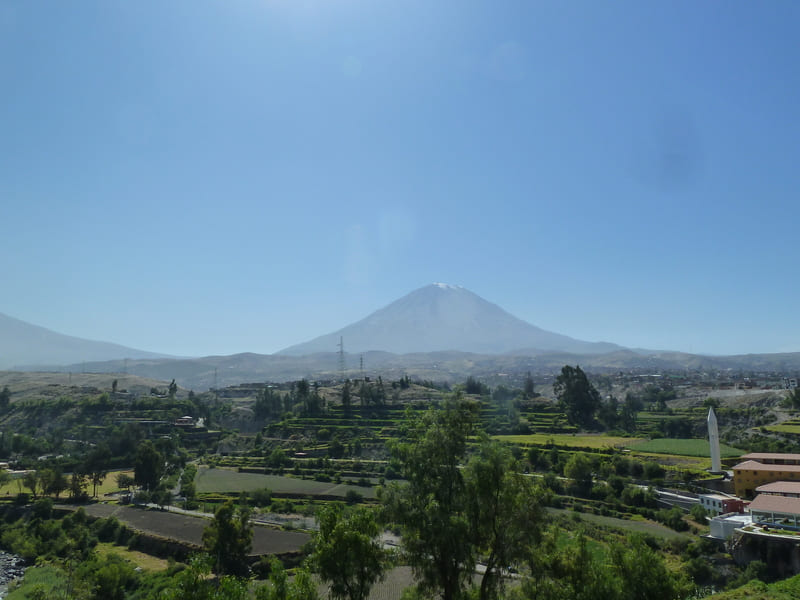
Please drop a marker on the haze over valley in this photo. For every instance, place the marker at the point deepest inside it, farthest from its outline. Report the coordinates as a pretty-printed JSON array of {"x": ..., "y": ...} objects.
[{"x": 438, "y": 332}]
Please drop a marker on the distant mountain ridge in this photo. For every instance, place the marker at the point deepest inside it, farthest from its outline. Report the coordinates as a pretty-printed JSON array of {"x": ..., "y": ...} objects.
[
  {"x": 439, "y": 332},
  {"x": 220, "y": 371},
  {"x": 443, "y": 317},
  {"x": 24, "y": 345}
]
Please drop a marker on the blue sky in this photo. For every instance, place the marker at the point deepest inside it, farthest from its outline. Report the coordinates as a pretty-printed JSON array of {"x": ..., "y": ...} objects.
[{"x": 217, "y": 177}]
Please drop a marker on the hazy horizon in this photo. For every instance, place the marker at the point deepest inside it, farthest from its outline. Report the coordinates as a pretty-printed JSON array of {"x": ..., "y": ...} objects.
[{"x": 215, "y": 178}]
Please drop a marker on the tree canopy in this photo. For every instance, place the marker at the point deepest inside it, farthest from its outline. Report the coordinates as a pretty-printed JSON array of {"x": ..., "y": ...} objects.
[
  {"x": 347, "y": 553},
  {"x": 450, "y": 514},
  {"x": 577, "y": 396},
  {"x": 228, "y": 539},
  {"x": 148, "y": 465},
  {"x": 505, "y": 513},
  {"x": 432, "y": 507}
]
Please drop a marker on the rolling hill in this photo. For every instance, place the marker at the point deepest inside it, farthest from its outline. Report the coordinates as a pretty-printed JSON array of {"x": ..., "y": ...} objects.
[{"x": 25, "y": 345}]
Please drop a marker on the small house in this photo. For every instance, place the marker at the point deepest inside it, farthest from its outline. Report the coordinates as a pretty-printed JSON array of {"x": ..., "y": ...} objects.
[{"x": 721, "y": 504}]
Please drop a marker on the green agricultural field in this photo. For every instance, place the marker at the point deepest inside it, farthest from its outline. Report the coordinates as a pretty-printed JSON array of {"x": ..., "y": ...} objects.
[
  {"x": 646, "y": 527},
  {"x": 681, "y": 447},
  {"x": 585, "y": 440},
  {"x": 788, "y": 427},
  {"x": 227, "y": 481}
]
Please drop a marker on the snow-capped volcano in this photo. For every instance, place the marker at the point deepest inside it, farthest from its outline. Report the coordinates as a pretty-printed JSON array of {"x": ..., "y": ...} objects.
[{"x": 441, "y": 316}]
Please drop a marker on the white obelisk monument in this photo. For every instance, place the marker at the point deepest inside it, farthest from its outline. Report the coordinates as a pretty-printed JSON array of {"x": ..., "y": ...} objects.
[{"x": 713, "y": 440}]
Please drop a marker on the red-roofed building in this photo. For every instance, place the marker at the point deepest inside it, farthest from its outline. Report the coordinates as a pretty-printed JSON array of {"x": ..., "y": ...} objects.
[
  {"x": 750, "y": 474},
  {"x": 790, "y": 489},
  {"x": 776, "y": 511},
  {"x": 773, "y": 458}
]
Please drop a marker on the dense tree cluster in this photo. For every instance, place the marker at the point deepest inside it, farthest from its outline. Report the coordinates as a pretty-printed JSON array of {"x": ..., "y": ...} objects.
[
  {"x": 228, "y": 539},
  {"x": 577, "y": 397},
  {"x": 347, "y": 553},
  {"x": 269, "y": 403},
  {"x": 451, "y": 517},
  {"x": 5, "y": 398}
]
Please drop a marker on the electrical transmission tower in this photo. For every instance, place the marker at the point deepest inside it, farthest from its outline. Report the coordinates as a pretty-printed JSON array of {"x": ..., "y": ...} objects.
[{"x": 341, "y": 356}]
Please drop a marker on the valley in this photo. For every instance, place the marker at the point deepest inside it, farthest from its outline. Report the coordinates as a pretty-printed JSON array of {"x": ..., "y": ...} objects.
[{"x": 286, "y": 452}]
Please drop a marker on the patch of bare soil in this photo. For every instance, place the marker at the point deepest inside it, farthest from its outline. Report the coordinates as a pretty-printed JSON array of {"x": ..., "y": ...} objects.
[{"x": 189, "y": 530}]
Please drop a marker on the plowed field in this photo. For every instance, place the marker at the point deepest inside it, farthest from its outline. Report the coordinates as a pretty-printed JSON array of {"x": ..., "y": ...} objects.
[{"x": 189, "y": 530}]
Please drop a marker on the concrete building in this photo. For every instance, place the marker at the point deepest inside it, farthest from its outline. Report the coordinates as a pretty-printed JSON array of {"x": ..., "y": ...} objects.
[
  {"x": 722, "y": 527},
  {"x": 720, "y": 504}
]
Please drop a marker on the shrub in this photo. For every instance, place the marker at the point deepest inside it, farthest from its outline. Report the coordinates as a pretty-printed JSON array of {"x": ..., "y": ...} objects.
[
  {"x": 699, "y": 514},
  {"x": 262, "y": 497},
  {"x": 672, "y": 518},
  {"x": 43, "y": 508},
  {"x": 653, "y": 470},
  {"x": 353, "y": 497}
]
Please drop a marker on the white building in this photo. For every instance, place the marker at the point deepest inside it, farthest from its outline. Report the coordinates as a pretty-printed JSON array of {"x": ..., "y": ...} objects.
[
  {"x": 720, "y": 504},
  {"x": 722, "y": 528}
]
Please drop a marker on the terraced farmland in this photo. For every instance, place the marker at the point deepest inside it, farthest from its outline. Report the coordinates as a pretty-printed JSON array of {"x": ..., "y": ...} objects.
[
  {"x": 791, "y": 426},
  {"x": 681, "y": 447},
  {"x": 639, "y": 526},
  {"x": 189, "y": 529},
  {"x": 228, "y": 481},
  {"x": 586, "y": 440}
]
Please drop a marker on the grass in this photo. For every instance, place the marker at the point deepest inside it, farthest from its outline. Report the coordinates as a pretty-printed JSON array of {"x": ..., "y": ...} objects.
[
  {"x": 646, "y": 527},
  {"x": 227, "y": 481},
  {"x": 108, "y": 486},
  {"x": 681, "y": 447},
  {"x": 598, "y": 551},
  {"x": 40, "y": 582},
  {"x": 138, "y": 559},
  {"x": 579, "y": 440},
  {"x": 788, "y": 589},
  {"x": 784, "y": 428}
]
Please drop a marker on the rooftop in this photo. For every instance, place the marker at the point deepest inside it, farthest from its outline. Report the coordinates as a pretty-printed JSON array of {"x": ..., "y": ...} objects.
[
  {"x": 770, "y": 456},
  {"x": 777, "y": 504},
  {"x": 780, "y": 487},
  {"x": 740, "y": 519},
  {"x": 751, "y": 465},
  {"x": 718, "y": 496}
]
